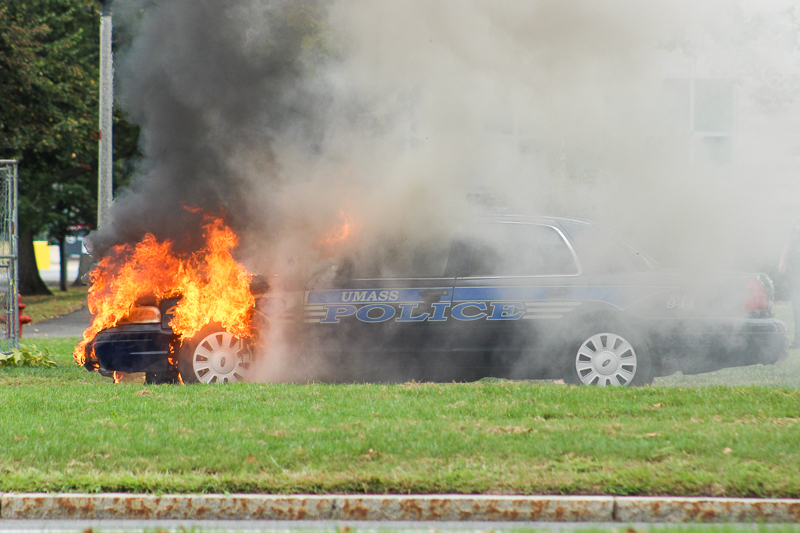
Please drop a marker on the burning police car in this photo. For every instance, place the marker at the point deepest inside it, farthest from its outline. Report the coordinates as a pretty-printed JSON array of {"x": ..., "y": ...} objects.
[{"x": 514, "y": 297}]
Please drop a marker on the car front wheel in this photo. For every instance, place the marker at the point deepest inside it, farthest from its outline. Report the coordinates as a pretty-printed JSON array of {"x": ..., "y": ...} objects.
[
  {"x": 215, "y": 356},
  {"x": 608, "y": 360}
]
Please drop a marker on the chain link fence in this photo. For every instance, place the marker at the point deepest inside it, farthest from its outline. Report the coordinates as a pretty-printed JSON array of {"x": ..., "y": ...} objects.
[{"x": 9, "y": 303}]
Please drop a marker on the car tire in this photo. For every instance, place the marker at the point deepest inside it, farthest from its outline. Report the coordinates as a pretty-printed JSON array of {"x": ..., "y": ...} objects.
[
  {"x": 608, "y": 358},
  {"x": 215, "y": 355}
]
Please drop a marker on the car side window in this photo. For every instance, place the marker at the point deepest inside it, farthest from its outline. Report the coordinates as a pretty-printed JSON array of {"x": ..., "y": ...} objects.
[
  {"x": 521, "y": 250},
  {"x": 427, "y": 260},
  {"x": 601, "y": 252}
]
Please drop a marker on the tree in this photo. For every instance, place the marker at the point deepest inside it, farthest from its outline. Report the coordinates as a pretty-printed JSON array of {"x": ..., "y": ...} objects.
[{"x": 49, "y": 67}]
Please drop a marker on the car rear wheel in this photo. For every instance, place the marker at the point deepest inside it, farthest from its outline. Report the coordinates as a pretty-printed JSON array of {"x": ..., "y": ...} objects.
[
  {"x": 609, "y": 360},
  {"x": 215, "y": 356}
]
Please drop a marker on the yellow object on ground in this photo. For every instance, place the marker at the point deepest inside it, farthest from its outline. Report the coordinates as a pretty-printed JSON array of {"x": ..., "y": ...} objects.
[{"x": 42, "y": 251}]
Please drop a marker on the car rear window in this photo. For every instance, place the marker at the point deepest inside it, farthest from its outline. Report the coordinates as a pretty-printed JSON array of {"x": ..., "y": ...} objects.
[{"x": 520, "y": 249}]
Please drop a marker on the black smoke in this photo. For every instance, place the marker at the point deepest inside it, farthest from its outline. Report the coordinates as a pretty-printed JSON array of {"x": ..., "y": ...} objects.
[{"x": 212, "y": 83}]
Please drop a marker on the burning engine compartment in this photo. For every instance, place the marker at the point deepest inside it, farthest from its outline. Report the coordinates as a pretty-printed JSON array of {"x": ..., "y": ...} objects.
[{"x": 207, "y": 286}]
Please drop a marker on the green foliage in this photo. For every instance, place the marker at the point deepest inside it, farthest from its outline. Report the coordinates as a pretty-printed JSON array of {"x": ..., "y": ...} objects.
[
  {"x": 49, "y": 71},
  {"x": 49, "y": 116},
  {"x": 28, "y": 356}
]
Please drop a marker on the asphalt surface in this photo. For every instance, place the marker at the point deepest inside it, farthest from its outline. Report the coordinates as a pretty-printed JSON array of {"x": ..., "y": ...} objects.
[{"x": 71, "y": 325}]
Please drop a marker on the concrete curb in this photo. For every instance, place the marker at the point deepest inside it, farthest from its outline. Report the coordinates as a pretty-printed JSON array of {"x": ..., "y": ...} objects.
[
  {"x": 708, "y": 510},
  {"x": 392, "y": 507}
]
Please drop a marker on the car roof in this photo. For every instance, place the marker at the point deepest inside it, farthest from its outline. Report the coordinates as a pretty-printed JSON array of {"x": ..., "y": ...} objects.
[{"x": 532, "y": 219}]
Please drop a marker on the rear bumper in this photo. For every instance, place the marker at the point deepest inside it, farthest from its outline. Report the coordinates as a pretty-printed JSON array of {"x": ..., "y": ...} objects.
[
  {"x": 133, "y": 348},
  {"x": 711, "y": 344}
]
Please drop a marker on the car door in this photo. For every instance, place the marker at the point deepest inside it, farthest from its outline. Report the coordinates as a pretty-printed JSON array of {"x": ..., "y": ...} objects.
[
  {"x": 522, "y": 283},
  {"x": 387, "y": 320}
]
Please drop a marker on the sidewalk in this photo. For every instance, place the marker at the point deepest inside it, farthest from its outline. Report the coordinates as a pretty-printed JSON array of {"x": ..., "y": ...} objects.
[{"x": 71, "y": 325}]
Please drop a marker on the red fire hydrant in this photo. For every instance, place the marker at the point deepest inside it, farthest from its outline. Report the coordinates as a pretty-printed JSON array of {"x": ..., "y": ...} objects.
[{"x": 23, "y": 319}]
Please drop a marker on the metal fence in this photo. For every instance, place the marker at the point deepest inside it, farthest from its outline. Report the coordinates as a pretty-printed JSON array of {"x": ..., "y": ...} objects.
[{"x": 9, "y": 303}]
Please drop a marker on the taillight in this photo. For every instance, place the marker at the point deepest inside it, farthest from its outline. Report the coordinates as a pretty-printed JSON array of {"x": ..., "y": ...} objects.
[
  {"x": 145, "y": 314},
  {"x": 756, "y": 297}
]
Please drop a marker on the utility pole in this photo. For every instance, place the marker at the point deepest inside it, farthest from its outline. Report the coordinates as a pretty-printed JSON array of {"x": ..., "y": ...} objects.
[
  {"x": 104, "y": 183},
  {"x": 106, "y": 134}
]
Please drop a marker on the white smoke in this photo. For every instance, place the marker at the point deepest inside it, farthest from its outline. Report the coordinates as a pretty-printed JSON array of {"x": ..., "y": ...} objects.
[{"x": 674, "y": 122}]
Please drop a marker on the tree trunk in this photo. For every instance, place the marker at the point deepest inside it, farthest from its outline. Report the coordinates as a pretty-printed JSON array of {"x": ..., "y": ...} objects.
[
  {"x": 30, "y": 282},
  {"x": 62, "y": 260}
]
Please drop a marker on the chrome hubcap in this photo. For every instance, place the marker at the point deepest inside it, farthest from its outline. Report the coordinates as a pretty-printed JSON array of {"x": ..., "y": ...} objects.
[
  {"x": 221, "y": 358},
  {"x": 606, "y": 359}
]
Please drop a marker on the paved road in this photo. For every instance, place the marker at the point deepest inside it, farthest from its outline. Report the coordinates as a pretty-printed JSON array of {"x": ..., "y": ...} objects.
[{"x": 71, "y": 325}]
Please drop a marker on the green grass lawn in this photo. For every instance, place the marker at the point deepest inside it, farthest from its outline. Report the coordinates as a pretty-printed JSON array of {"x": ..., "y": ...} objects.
[
  {"x": 64, "y": 429},
  {"x": 59, "y": 303}
]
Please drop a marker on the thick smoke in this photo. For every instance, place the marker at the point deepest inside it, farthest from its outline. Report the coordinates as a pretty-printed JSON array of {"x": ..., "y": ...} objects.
[
  {"x": 213, "y": 85},
  {"x": 405, "y": 118},
  {"x": 281, "y": 115}
]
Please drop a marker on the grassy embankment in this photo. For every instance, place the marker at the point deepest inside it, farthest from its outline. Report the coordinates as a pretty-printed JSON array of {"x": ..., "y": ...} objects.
[{"x": 63, "y": 429}]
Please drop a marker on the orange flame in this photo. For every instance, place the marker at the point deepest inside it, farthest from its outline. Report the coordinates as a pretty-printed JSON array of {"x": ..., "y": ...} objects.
[
  {"x": 337, "y": 235},
  {"x": 213, "y": 286}
]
